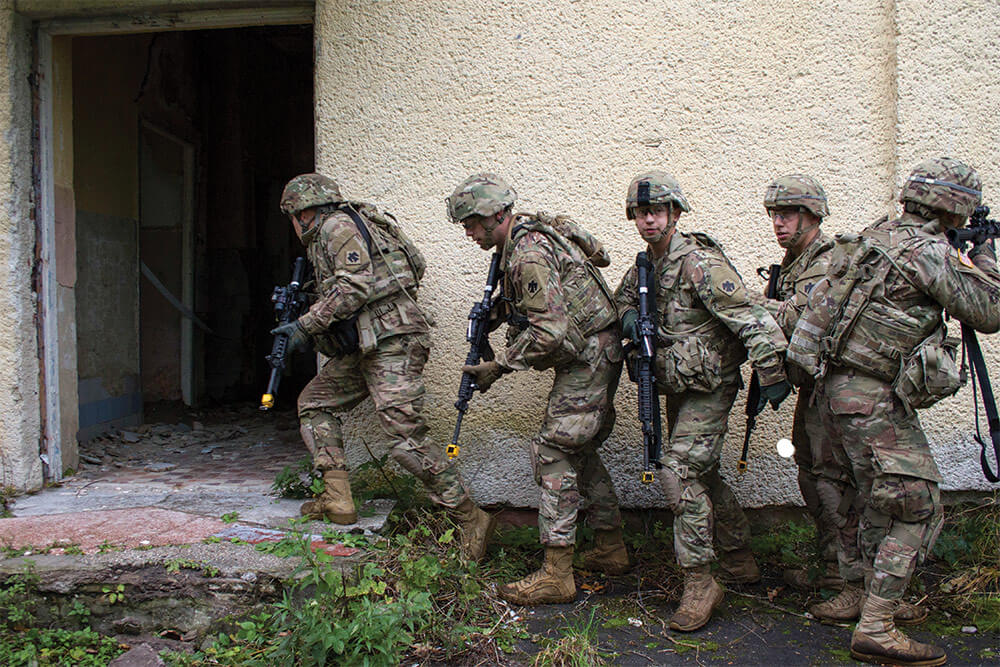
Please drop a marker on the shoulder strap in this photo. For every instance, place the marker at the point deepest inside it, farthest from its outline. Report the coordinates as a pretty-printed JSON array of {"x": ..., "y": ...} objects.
[
  {"x": 978, "y": 366},
  {"x": 360, "y": 224}
]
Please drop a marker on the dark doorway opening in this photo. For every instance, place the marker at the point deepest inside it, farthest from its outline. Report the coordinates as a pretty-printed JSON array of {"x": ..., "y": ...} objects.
[{"x": 182, "y": 142}]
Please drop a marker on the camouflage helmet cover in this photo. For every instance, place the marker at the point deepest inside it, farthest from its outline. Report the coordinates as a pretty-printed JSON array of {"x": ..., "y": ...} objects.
[
  {"x": 797, "y": 190},
  {"x": 480, "y": 194},
  {"x": 944, "y": 184},
  {"x": 654, "y": 187},
  {"x": 308, "y": 190}
]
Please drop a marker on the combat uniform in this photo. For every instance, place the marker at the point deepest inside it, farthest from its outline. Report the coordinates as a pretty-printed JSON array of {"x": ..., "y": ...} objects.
[
  {"x": 562, "y": 317},
  {"x": 823, "y": 469},
  {"x": 875, "y": 318},
  {"x": 706, "y": 328},
  {"x": 378, "y": 287}
]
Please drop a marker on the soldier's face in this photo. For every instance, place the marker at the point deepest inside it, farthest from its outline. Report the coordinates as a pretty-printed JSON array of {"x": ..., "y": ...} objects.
[
  {"x": 475, "y": 229},
  {"x": 653, "y": 221},
  {"x": 787, "y": 222}
]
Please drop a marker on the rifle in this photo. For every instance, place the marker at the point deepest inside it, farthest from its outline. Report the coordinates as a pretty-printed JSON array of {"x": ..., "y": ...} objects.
[
  {"x": 477, "y": 335},
  {"x": 641, "y": 372},
  {"x": 980, "y": 230},
  {"x": 771, "y": 274},
  {"x": 289, "y": 302}
]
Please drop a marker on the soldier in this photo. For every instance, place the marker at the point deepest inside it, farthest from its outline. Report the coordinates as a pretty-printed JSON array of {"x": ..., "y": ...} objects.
[
  {"x": 706, "y": 328},
  {"x": 560, "y": 315},
  {"x": 367, "y": 321},
  {"x": 868, "y": 325},
  {"x": 797, "y": 205}
]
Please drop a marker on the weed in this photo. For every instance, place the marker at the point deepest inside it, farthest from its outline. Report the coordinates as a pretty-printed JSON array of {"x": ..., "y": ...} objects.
[
  {"x": 968, "y": 552},
  {"x": 376, "y": 478},
  {"x": 176, "y": 564},
  {"x": 794, "y": 544},
  {"x": 22, "y": 643},
  {"x": 296, "y": 481},
  {"x": 415, "y": 597},
  {"x": 114, "y": 595},
  {"x": 347, "y": 539},
  {"x": 577, "y": 647},
  {"x": 105, "y": 546},
  {"x": 230, "y": 517}
]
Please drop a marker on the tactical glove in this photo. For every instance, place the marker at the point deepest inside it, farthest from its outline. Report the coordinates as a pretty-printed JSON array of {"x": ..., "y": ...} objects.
[
  {"x": 775, "y": 393},
  {"x": 485, "y": 373},
  {"x": 297, "y": 336},
  {"x": 984, "y": 255},
  {"x": 630, "y": 327}
]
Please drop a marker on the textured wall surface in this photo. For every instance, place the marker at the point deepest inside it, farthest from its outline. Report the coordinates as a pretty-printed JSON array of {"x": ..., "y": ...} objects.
[
  {"x": 20, "y": 425},
  {"x": 569, "y": 100}
]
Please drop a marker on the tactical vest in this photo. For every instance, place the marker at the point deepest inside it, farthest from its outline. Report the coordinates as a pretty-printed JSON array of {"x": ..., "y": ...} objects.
[
  {"x": 397, "y": 266},
  {"x": 589, "y": 302},
  {"x": 679, "y": 323},
  {"x": 850, "y": 320}
]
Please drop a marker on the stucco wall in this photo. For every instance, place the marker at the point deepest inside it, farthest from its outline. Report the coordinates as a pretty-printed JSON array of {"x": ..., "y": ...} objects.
[
  {"x": 19, "y": 420},
  {"x": 569, "y": 100}
]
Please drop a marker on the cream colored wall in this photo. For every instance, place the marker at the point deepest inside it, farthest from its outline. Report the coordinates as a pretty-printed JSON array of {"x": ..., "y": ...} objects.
[
  {"x": 20, "y": 425},
  {"x": 949, "y": 84},
  {"x": 569, "y": 100}
]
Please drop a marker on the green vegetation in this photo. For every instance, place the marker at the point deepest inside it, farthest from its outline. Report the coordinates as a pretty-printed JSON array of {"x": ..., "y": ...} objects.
[
  {"x": 23, "y": 643},
  {"x": 414, "y": 598},
  {"x": 576, "y": 647},
  {"x": 296, "y": 481}
]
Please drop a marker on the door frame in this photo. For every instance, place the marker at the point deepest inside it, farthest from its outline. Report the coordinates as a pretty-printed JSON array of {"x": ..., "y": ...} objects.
[{"x": 51, "y": 348}]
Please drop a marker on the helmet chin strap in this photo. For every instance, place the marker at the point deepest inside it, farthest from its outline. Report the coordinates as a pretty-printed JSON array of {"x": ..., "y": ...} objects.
[{"x": 800, "y": 231}]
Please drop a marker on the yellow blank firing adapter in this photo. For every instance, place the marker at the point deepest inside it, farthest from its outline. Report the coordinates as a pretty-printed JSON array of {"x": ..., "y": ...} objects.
[
  {"x": 452, "y": 450},
  {"x": 266, "y": 401},
  {"x": 742, "y": 466},
  {"x": 647, "y": 476}
]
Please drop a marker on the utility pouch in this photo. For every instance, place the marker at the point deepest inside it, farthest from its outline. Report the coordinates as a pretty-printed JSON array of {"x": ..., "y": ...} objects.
[
  {"x": 929, "y": 373},
  {"x": 689, "y": 365},
  {"x": 340, "y": 340}
]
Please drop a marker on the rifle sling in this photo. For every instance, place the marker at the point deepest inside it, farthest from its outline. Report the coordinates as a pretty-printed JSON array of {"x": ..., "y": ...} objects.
[{"x": 979, "y": 372}]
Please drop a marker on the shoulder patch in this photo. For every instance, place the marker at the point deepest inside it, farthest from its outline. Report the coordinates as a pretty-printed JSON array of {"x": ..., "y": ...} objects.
[
  {"x": 727, "y": 287},
  {"x": 352, "y": 254},
  {"x": 534, "y": 279}
]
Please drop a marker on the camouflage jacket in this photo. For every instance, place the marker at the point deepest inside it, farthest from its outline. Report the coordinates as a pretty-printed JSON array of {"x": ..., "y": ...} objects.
[
  {"x": 797, "y": 277},
  {"x": 558, "y": 300},
  {"x": 351, "y": 282},
  {"x": 701, "y": 298},
  {"x": 924, "y": 275}
]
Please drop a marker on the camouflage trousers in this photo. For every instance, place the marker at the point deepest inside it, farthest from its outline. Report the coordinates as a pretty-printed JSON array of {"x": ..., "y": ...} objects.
[
  {"x": 578, "y": 418},
  {"x": 824, "y": 481},
  {"x": 705, "y": 509},
  {"x": 898, "y": 502},
  {"x": 392, "y": 375}
]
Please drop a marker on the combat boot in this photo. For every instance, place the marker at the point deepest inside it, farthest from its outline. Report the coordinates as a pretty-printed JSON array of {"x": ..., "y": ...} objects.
[
  {"x": 843, "y": 607},
  {"x": 908, "y": 613},
  {"x": 702, "y": 594},
  {"x": 335, "y": 503},
  {"x": 477, "y": 527},
  {"x": 738, "y": 567},
  {"x": 609, "y": 554},
  {"x": 828, "y": 578},
  {"x": 552, "y": 584},
  {"x": 876, "y": 639}
]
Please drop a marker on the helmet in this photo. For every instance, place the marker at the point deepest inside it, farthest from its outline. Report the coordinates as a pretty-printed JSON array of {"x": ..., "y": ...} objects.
[
  {"x": 308, "y": 190},
  {"x": 480, "y": 194},
  {"x": 943, "y": 184},
  {"x": 797, "y": 190},
  {"x": 654, "y": 187}
]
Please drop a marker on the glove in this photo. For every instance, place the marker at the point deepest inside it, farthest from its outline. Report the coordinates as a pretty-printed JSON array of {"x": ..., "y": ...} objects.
[
  {"x": 485, "y": 373},
  {"x": 297, "y": 336},
  {"x": 775, "y": 393},
  {"x": 630, "y": 328},
  {"x": 985, "y": 253}
]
